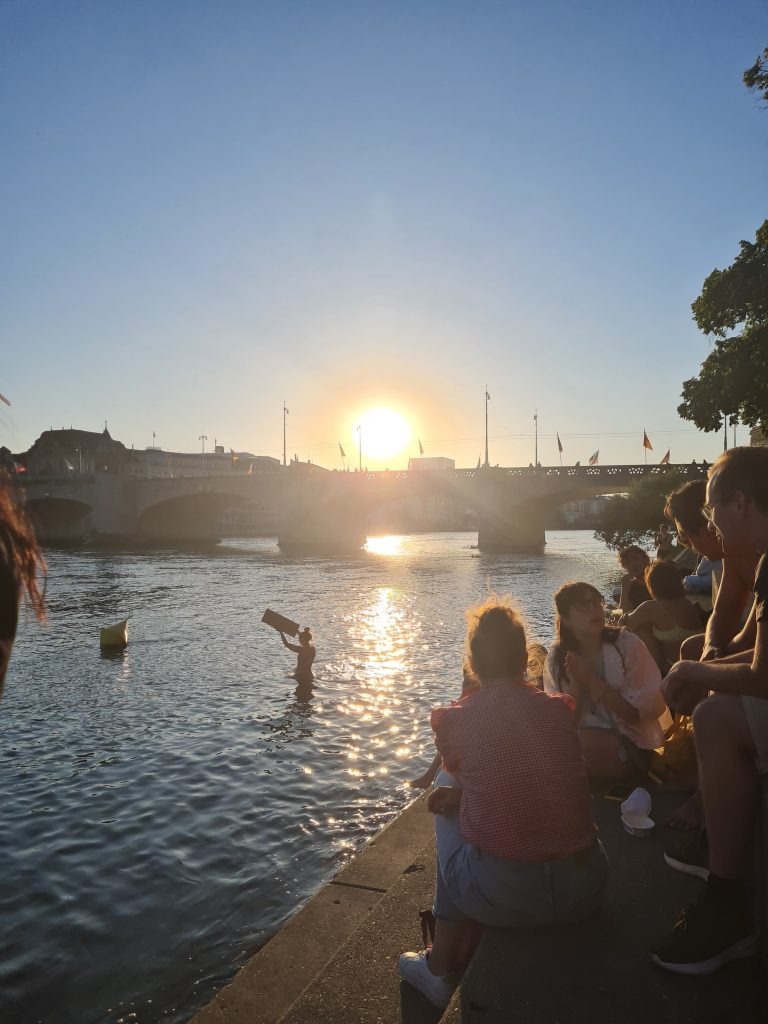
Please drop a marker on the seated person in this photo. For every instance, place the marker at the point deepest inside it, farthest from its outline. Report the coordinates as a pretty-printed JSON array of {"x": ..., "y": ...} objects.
[
  {"x": 516, "y": 802},
  {"x": 668, "y": 619},
  {"x": 634, "y": 561},
  {"x": 537, "y": 656},
  {"x": 614, "y": 680},
  {"x": 731, "y": 626},
  {"x": 701, "y": 580},
  {"x": 731, "y": 733}
]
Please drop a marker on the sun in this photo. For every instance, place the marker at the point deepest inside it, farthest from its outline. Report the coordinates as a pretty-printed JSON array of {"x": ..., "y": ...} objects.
[{"x": 383, "y": 433}]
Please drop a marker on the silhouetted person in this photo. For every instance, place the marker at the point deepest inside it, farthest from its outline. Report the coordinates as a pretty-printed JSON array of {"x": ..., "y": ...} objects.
[
  {"x": 20, "y": 564},
  {"x": 306, "y": 655}
]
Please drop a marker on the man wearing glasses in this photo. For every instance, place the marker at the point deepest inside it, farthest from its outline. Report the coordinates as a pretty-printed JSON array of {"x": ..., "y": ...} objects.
[{"x": 731, "y": 731}]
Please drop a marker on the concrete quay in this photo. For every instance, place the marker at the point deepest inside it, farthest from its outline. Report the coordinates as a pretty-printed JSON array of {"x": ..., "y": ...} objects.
[{"x": 336, "y": 960}]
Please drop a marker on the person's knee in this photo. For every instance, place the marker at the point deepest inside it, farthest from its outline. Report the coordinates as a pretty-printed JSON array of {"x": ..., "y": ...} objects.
[{"x": 718, "y": 719}]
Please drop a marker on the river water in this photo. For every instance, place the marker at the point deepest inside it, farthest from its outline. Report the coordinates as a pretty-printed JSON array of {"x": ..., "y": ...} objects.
[{"x": 165, "y": 810}]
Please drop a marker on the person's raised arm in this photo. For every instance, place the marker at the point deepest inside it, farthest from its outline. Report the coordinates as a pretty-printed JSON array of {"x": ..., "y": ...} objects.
[{"x": 291, "y": 647}]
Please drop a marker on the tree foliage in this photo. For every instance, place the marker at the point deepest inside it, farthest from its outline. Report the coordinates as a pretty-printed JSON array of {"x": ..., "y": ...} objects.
[
  {"x": 634, "y": 518},
  {"x": 733, "y": 379},
  {"x": 756, "y": 77}
]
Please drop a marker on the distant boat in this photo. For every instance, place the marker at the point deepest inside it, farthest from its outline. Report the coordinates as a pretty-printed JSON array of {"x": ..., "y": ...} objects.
[{"x": 115, "y": 636}]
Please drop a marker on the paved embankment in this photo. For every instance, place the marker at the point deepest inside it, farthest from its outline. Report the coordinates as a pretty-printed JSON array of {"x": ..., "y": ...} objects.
[{"x": 336, "y": 960}]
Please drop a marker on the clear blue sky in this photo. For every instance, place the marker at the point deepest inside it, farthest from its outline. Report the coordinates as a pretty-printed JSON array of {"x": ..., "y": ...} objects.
[{"x": 207, "y": 208}]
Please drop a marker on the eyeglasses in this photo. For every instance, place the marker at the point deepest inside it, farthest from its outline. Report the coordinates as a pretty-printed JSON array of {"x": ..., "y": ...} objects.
[
  {"x": 708, "y": 511},
  {"x": 586, "y": 604}
]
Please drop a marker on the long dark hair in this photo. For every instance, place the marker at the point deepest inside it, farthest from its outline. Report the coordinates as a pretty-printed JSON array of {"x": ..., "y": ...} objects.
[
  {"x": 21, "y": 560},
  {"x": 565, "y": 598}
]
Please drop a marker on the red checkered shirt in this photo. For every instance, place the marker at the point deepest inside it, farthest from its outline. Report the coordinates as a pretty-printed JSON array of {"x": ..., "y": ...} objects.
[{"x": 515, "y": 751}]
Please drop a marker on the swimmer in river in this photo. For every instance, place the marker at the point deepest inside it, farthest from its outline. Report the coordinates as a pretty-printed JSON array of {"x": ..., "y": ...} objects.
[{"x": 306, "y": 655}]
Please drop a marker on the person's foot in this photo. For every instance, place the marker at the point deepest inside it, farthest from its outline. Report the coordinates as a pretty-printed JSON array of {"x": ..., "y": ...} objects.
[
  {"x": 706, "y": 937},
  {"x": 689, "y": 853},
  {"x": 415, "y": 970},
  {"x": 688, "y": 816}
]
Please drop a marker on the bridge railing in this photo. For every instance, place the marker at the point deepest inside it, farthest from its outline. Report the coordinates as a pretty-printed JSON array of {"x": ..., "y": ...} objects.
[{"x": 593, "y": 474}]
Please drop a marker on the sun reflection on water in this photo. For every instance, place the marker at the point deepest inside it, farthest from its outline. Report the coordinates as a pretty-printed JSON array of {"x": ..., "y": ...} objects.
[
  {"x": 387, "y": 546},
  {"x": 382, "y": 633}
]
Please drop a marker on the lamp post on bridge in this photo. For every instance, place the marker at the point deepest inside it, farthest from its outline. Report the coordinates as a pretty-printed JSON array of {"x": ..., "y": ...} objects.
[
  {"x": 286, "y": 412},
  {"x": 360, "y": 446},
  {"x": 487, "y": 399},
  {"x": 203, "y": 438}
]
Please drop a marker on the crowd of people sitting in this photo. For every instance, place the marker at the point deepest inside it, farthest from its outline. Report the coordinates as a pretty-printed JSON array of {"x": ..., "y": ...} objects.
[{"x": 516, "y": 842}]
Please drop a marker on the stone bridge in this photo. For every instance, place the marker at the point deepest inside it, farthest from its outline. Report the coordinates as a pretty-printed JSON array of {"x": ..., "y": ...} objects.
[{"x": 318, "y": 510}]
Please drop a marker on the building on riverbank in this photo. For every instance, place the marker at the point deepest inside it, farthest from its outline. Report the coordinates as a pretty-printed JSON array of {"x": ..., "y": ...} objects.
[{"x": 59, "y": 453}]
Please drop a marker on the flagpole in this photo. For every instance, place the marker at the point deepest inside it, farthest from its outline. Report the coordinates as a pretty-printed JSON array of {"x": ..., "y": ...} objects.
[
  {"x": 487, "y": 396},
  {"x": 360, "y": 446},
  {"x": 536, "y": 436},
  {"x": 285, "y": 412}
]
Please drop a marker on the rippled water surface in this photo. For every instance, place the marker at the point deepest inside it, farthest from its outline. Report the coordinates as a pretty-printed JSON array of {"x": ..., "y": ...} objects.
[{"x": 165, "y": 810}]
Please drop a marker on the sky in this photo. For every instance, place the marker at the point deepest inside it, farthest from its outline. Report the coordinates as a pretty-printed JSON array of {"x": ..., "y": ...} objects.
[{"x": 208, "y": 209}]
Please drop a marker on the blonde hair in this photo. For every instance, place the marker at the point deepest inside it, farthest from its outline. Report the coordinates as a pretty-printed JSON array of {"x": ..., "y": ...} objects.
[{"x": 496, "y": 644}]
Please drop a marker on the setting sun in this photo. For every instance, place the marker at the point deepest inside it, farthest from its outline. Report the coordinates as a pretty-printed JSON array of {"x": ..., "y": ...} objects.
[{"x": 383, "y": 433}]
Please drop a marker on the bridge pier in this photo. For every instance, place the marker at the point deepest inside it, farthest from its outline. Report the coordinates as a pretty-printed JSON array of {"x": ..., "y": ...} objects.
[
  {"x": 319, "y": 515},
  {"x": 519, "y": 532}
]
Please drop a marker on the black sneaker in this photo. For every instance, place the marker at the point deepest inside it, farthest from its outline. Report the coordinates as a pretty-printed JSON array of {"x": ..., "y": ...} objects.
[
  {"x": 706, "y": 938},
  {"x": 689, "y": 853}
]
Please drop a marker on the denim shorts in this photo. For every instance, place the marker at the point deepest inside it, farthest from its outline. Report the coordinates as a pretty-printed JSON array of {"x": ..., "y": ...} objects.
[{"x": 505, "y": 893}]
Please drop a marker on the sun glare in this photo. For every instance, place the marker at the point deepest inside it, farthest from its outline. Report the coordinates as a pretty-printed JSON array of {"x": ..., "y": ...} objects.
[{"x": 384, "y": 433}]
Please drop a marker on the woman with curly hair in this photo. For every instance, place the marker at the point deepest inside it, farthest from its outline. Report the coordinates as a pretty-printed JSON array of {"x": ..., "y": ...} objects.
[
  {"x": 21, "y": 566},
  {"x": 516, "y": 844},
  {"x": 614, "y": 680}
]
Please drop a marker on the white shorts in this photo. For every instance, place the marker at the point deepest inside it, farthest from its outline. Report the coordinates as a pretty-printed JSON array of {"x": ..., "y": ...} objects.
[{"x": 756, "y": 710}]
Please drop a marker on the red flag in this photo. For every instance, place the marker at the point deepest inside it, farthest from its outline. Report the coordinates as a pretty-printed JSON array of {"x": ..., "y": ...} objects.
[
  {"x": 559, "y": 444},
  {"x": 646, "y": 442},
  {"x": 421, "y": 447},
  {"x": 342, "y": 451},
  {"x": 594, "y": 458},
  {"x": 665, "y": 460}
]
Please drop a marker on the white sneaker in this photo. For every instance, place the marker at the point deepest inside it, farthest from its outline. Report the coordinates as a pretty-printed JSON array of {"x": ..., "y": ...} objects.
[{"x": 415, "y": 970}]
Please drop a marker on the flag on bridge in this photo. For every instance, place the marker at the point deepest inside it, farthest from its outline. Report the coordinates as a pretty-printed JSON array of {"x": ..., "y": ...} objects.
[
  {"x": 69, "y": 465},
  {"x": 4, "y": 399},
  {"x": 593, "y": 458},
  {"x": 559, "y": 444},
  {"x": 19, "y": 468},
  {"x": 421, "y": 447},
  {"x": 341, "y": 450},
  {"x": 646, "y": 442},
  {"x": 665, "y": 460}
]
